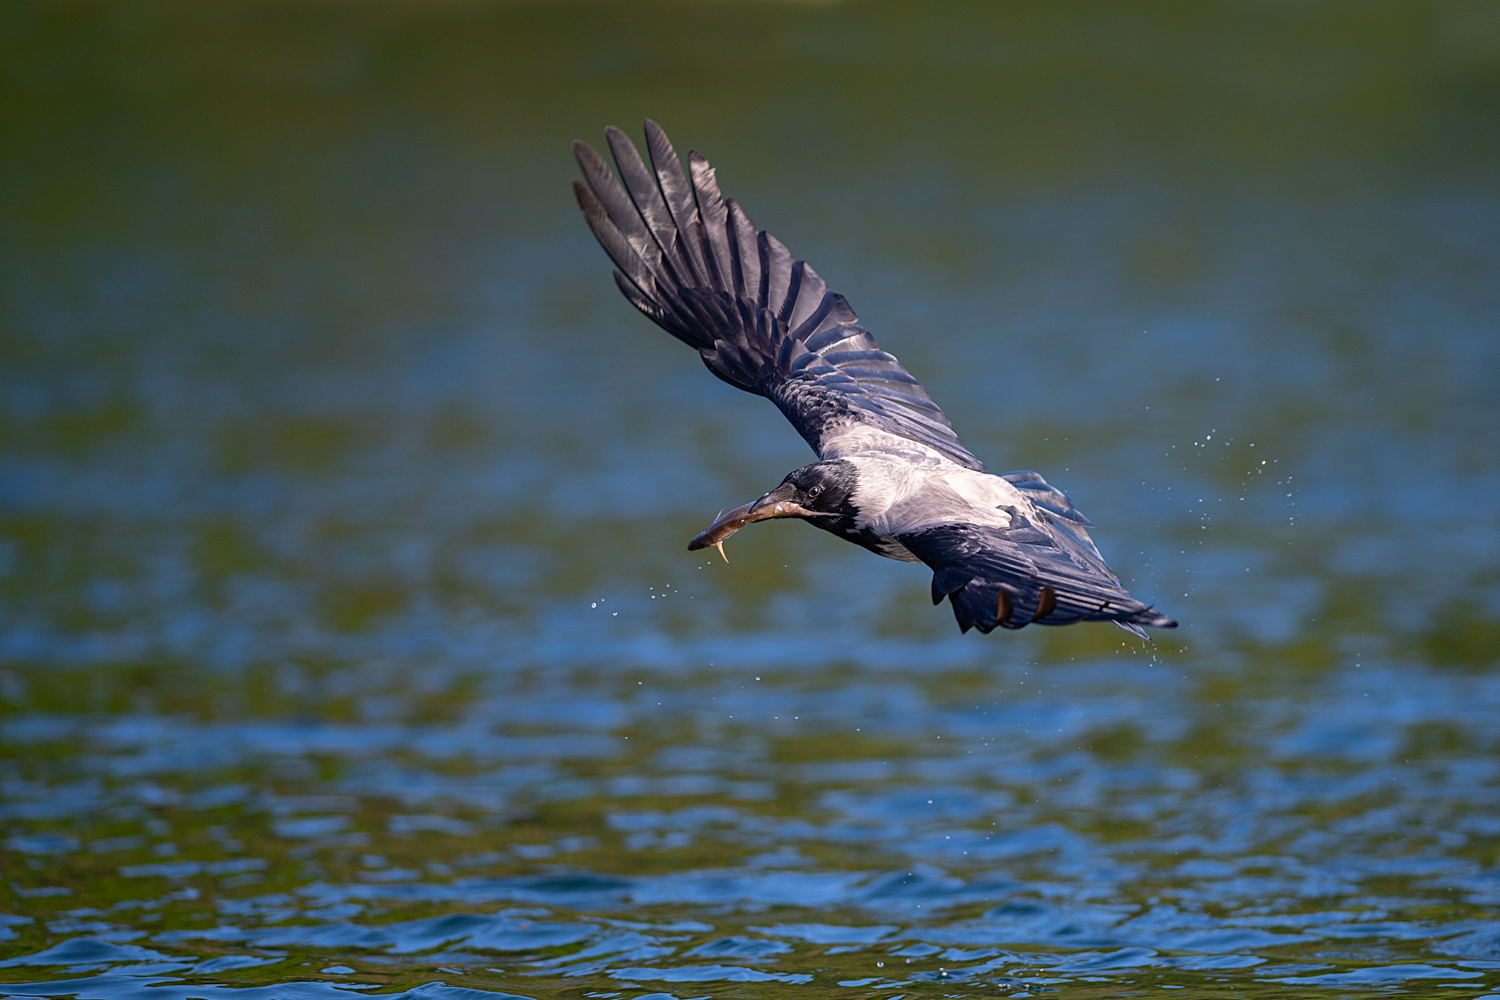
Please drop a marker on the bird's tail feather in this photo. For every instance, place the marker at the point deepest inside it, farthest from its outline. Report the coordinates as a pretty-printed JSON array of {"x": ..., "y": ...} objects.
[{"x": 1011, "y": 578}]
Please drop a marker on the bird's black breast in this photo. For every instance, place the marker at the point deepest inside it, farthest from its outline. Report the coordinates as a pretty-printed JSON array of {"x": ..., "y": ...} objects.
[
  {"x": 847, "y": 529},
  {"x": 840, "y": 515}
]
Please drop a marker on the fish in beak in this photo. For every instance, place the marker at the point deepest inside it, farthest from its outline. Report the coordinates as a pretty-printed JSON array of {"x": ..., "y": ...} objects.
[{"x": 780, "y": 502}]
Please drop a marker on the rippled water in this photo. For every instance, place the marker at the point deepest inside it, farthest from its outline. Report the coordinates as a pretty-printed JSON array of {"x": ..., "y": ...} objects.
[{"x": 349, "y": 639}]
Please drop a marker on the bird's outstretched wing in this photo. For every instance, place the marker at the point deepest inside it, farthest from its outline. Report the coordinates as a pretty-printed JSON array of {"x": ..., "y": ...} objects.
[
  {"x": 694, "y": 263},
  {"x": 1043, "y": 568}
]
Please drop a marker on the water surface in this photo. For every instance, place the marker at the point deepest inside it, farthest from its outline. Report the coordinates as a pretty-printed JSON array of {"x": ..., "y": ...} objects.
[{"x": 349, "y": 639}]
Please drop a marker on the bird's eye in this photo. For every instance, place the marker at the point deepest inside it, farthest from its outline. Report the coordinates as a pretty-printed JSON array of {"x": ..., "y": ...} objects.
[{"x": 815, "y": 491}]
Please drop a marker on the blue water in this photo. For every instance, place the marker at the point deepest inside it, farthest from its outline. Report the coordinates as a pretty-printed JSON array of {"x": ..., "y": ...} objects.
[{"x": 348, "y": 638}]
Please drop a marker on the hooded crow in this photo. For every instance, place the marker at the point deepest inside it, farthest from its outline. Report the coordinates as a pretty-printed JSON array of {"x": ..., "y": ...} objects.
[{"x": 1005, "y": 550}]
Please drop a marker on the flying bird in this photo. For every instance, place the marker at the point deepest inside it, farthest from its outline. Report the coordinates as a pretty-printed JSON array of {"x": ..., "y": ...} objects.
[{"x": 1005, "y": 550}]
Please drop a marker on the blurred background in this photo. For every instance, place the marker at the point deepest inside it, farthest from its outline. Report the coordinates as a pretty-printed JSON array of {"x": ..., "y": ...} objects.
[{"x": 347, "y": 630}]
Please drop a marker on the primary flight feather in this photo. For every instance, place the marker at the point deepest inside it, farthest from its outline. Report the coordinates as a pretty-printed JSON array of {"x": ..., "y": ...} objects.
[{"x": 1006, "y": 550}]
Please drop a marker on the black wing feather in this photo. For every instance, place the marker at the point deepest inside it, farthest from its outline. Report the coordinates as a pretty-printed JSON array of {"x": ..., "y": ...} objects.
[
  {"x": 763, "y": 321},
  {"x": 716, "y": 217},
  {"x": 745, "y": 253},
  {"x": 1043, "y": 568}
]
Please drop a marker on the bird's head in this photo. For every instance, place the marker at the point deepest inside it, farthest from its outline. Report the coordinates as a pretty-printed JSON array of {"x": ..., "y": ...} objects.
[{"x": 820, "y": 490}]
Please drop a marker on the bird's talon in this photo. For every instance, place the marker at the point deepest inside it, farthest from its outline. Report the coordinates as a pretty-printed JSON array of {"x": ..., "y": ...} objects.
[{"x": 720, "y": 547}]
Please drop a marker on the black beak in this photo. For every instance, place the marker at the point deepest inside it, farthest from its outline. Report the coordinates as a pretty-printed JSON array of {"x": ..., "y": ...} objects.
[{"x": 777, "y": 503}]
